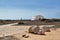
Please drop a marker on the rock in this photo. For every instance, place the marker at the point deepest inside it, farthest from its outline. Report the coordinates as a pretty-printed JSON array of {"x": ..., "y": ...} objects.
[
  {"x": 34, "y": 29},
  {"x": 45, "y": 28},
  {"x": 41, "y": 32},
  {"x": 25, "y": 36}
]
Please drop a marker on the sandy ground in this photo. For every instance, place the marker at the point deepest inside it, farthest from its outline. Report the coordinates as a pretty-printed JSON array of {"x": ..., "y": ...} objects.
[
  {"x": 53, "y": 35},
  {"x": 6, "y": 30},
  {"x": 18, "y": 31}
]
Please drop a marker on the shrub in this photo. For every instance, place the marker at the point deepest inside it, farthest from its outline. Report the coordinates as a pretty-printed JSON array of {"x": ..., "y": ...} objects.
[{"x": 21, "y": 23}]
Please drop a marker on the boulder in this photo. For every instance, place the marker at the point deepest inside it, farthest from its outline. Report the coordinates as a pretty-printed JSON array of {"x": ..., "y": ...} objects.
[
  {"x": 34, "y": 29},
  {"x": 41, "y": 32},
  {"x": 45, "y": 28}
]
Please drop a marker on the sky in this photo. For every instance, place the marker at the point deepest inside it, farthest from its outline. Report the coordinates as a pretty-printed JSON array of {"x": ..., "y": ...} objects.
[{"x": 26, "y": 9}]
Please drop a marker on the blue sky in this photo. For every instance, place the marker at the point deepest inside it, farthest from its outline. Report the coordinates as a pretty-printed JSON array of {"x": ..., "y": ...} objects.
[{"x": 25, "y": 9}]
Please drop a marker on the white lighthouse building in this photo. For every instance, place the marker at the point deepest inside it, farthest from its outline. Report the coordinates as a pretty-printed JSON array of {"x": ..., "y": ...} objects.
[{"x": 37, "y": 17}]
